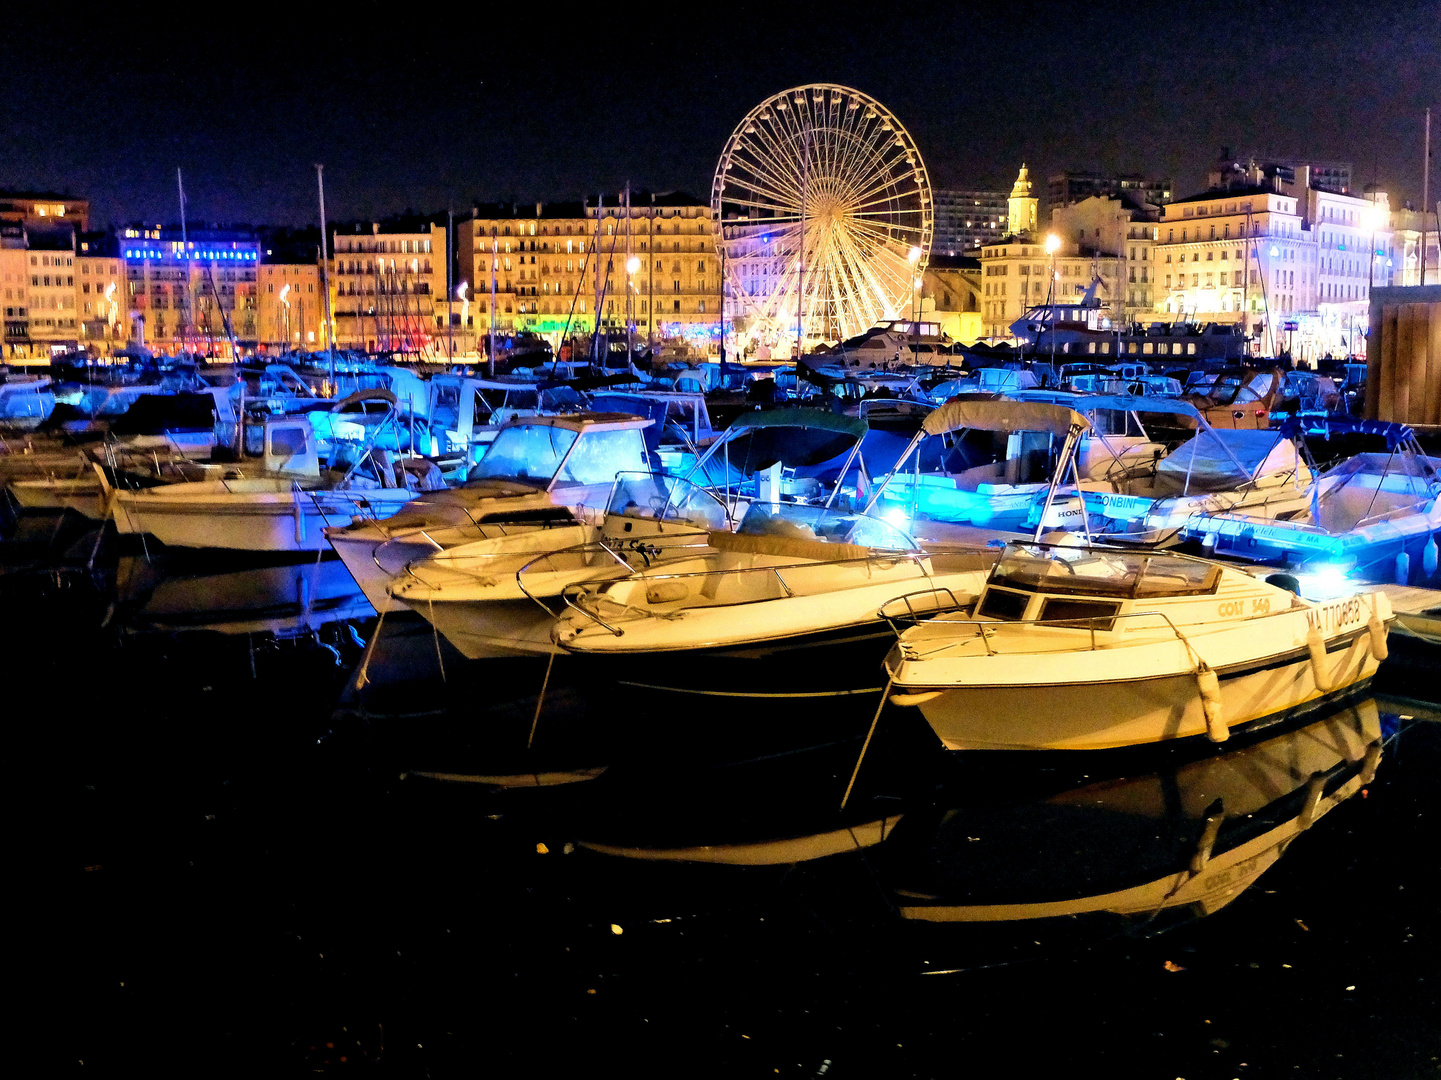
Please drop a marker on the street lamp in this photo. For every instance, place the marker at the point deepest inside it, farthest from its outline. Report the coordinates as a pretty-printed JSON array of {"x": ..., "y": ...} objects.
[{"x": 285, "y": 300}]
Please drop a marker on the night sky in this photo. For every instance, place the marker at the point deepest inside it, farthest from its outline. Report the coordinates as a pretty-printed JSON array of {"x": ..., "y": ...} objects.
[{"x": 545, "y": 101}]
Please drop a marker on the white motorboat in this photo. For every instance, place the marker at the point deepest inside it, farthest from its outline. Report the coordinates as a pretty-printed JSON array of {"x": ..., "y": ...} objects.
[
  {"x": 25, "y": 401},
  {"x": 499, "y": 596},
  {"x": 540, "y": 472},
  {"x": 800, "y": 602},
  {"x": 1375, "y": 516},
  {"x": 284, "y": 508},
  {"x": 1000, "y": 458},
  {"x": 1078, "y": 647},
  {"x": 1230, "y": 470}
]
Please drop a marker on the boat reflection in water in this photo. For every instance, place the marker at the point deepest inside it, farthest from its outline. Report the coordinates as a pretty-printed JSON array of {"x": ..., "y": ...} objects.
[
  {"x": 1025, "y": 842},
  {"x": 296, "y": 597},
  {"x": 1185, "y": 840}
]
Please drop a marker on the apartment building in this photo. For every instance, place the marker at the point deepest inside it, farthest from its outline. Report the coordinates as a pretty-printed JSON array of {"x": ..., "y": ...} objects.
[
  {"x": 386, "y": 280},
  {"x": 552, "y": 265}
]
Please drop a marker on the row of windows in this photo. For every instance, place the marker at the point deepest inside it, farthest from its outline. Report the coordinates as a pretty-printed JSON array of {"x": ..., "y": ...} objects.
[
  {"x": 375, "y": 247},
  {"x": 640, "y": 226}
]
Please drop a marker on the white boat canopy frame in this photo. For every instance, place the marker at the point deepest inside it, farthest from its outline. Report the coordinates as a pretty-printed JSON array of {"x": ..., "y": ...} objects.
[{"x": 1003, "y": 416}]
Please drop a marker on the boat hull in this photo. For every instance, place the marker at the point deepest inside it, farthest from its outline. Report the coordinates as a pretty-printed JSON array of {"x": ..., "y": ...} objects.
[
  {"x": 282, "y": 521},
  {"x": 1138, "y": 711}
]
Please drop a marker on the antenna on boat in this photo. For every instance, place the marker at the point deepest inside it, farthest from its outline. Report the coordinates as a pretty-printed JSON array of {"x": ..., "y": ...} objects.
[{"x": 325, "y": 273}]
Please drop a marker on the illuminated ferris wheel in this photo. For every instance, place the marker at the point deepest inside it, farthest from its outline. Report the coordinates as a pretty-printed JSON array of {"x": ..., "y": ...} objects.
[{"x": 823, "y": 211}]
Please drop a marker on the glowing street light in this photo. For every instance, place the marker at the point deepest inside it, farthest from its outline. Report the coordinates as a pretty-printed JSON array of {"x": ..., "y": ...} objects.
[
  {"x": 632, "y": 265},
  {"x": 285, "y": 300}
]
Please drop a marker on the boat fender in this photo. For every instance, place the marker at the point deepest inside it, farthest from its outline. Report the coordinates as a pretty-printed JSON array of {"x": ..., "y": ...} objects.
[
  {"x": 1428, "y": 556},
  {"x": 1403, "y": 568},
  {"x": 914, "y": 699},
  {"x": 1379, "y": 649},
  {"x": 1209, "y": 684},
  {"x": 1316, "y": 645}
]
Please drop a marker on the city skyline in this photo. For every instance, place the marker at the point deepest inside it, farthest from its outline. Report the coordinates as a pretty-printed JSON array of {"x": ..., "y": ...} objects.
[{"x": 445, "y": 117}]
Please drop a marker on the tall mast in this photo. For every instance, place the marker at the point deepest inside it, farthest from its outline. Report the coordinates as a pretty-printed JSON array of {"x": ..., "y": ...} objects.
[
  {"x": 449, "y": 285},
  {"x": 184, "y": 254},
  {"x": 1425, "y": 192},
  {"x": 629, "y": 291},
  {"x": 494, "y": 258},
  {"x": 325, "y": 273},
  {"x": 801, "y": 259}
]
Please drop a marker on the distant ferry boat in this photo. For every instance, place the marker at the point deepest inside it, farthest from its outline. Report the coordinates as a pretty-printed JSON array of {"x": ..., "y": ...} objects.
[{"x": 1084, "y": 329}]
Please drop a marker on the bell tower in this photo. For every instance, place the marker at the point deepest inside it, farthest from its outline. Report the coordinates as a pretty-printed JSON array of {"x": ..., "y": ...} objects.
[{"x": 1023, "y": 207}]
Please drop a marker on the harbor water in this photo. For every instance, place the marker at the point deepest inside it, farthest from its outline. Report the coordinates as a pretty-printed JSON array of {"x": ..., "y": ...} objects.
[{"x": 259, "y": 871}]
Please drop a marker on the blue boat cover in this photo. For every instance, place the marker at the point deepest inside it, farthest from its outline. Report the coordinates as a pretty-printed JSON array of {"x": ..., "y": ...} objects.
[{"x": 1336, "y": 424}]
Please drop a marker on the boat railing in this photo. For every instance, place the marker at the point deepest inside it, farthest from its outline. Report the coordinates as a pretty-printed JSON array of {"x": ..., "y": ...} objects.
[
  {"x": 919, "y": 558},
  {"x": 616, "y": 549},
  {"x": 914, "y": 616},
  {"x": 464, "y": 532},
  {"x": 1076, "y": 623}
]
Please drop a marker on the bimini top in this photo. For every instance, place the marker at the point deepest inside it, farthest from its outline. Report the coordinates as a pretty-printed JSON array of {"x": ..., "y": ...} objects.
[
  {"x": 578, "y": 422},
  {"x": 800, "y": 418},
  {"x": 1004, "y": 416},
  {"x": 1138, "y": 404}
]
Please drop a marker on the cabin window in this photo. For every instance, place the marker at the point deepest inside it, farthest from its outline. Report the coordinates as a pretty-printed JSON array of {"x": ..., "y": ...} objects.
[
  {"x": 1086, "y": 614},
  {"x": 1004, "y": 604},
  {"x": 287, "y": 442}
]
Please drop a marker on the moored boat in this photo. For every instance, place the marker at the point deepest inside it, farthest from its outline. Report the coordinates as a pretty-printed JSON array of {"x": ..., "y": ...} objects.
[{"x": 1090, "y": 648}]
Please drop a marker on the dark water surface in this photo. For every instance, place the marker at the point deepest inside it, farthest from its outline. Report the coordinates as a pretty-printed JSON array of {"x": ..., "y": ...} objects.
[{"x": 249, "y": 884}]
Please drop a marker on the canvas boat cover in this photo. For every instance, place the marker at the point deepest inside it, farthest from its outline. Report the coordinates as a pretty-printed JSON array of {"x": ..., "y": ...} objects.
[
  {"x": 1003, "y": 416},
  {"x": 1212, "y": 458}
]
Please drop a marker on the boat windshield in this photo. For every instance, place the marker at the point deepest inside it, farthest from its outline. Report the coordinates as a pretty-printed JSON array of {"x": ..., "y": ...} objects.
[
  {"x": 797, "y": 522},
  {"x": 533, "y": 453},
  {"x": 667, "y": 498},
  {"x": 530, "y": 452},
  {"x": 1102, "y": 572}
]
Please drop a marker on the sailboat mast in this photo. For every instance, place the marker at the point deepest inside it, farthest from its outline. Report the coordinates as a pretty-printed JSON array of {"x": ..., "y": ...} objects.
[
  {"x": 801, "y": 258},
  {"x": 629, "y": 291},
  {"x": 325, "y": 273},
  {"x": 1425, "y": 192},
  {"x": 494, "y": 258},
  {"x": 184, "y": 254}
]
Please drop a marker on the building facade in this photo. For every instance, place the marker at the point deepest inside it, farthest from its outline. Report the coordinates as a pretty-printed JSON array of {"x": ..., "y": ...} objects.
[
  {"x": 564, "y": 268},
  {"x": 44, "y": 210},
  {"x": 290, "y": 307},
  {"x": 967, "y": 220},
  {"x": 1074, "y": 186},
  {"x": 1292, "y": 261},
  {"x": 100, "y": 293},
  {"x": 190, "y": 293},
  {"x": 386, "y": 279}
]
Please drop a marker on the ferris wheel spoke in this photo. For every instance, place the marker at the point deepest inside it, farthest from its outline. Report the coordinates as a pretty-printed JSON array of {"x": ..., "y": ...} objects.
[
  {"x": 767, "y": 187},
  {"x": 770, "y": 160}
]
